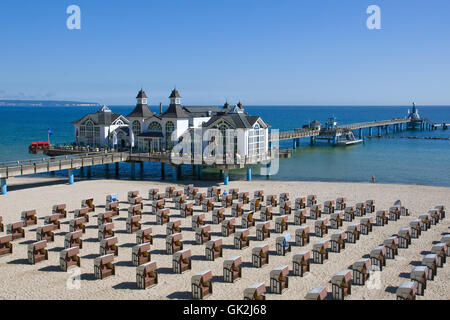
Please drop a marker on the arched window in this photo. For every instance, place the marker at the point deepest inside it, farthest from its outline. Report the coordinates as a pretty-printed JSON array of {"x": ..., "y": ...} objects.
[
  {"x": 119, "y": 123},
  {"x": 170, "y": 127},
  {"x": 136, "y": 127},
  {"x": 154, "y": 126}
]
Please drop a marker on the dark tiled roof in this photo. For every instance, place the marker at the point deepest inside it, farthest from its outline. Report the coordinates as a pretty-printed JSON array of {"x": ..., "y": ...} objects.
[
  {"x": 202, "y": 111},
  {"x": 175, "y": 111},
  {"x": 174, "y": 94},
  {"x": 101, "y": 118},
  {"x": 237, "y": 120},
  {"x": 141, "y": 111},
  {"x": 141, "y": 94}
]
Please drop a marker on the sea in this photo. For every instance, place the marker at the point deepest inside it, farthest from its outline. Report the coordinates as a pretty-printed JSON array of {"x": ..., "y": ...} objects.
[{"x": 390, "y": 159}]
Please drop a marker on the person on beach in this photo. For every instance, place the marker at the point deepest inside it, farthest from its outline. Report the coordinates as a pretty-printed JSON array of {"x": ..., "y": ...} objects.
[{"x": 373, "y": 179}]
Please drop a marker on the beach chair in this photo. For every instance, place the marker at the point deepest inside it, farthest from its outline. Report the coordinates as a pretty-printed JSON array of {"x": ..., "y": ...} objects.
[
  {"x": 382, "y": 217},
  {"x": 419, "y": 275},
  {"x": 426, "y": 221},
  {"x": 266, "y": 213},
  {"x": 361, "y": 271},
  {"x": 394, "y": 213},
  {"x": 162, "y": 216},
  {"x": 300, "y": 203},
  {"x": 213, "y": 249},
  {"x": 131, "y": 195},
  {"x": 169, "y": 192},
  {"x": 216, "y": 194},
  {"x": 53, "y": 219},
  {"x": 137, "y": 201},
  {"x": 173, "y": 227},
  {"x": 284, "y": 196},
  {"x": 255, "y": 292},
  {"x": 199, "y": 198},
  {"x": 109, "y": 245},
  {"x": 113, "y": 207},
  {"x": 6, "y": 246},
  {"x": 446, "y": 239},
  {"x": 146, "y": 275},
  {"x": 285, "y": 207},
  {"x": 311, "y": 200},
  {"x": 176, "y": 195},
  {"x": 187, "y": 189},
  {"x": 105, "y": 217},
  {"x": 360, "y": 209},
  {"x": 341, "y": 203},
  {"x": 144, "y": 236},
  {"x": 234, "y": 193},
  {"x": 378, "y": 257},
  {"x": 260, "y": 255},
  {"x": 88, "y": 203},
  {"x": 201, "y": 284},
  {"x": 299, "y": 217},
  {"x": 244, "y": 197},
  {"x": 211, "y": 191},
  {"x": 112, "y": 198},
  {"x": 37, "y": 252},
  {"x": 69, "y": 257},
  {"x": 228, "y": 227},
  {"x": 77, "y": 224},
  {"x": 158, "y": 205},
  {"x": 237, "y": 209},
  {"x": 329, "y": 207},
  {"x": 321, "y": 227},
  {"x": 198, "y": 220},
  {"x": 182, "y": 261},
  {"x": 300, "y": 263},
  {"x": 337, "y": 241},
  {"x": 241, "y": 239},
  {"x": 174, "y": 243},
  {"x": 315, "y": 211},
  {"x": 353, "y": 232},
  {"x": 259, "y": 194},
  {"x": 202, "y": 234},
  {"x": 407, "y": 291},
  {"x": 208, "y": 205},
  {"x": 430, "y": 261},
  {"x": 186, "y": 209},
  {"x": 434, "y": 216},
  {"x": 391, "y": 245},
  {"x": 104, "y": 266},
  {"x": 46, "y": 233},
  {"x": 441, "y": 210},
  {"x": 218, "y": 215},
  {"x": 370, "y": 206},
  {"x": 247, "y": 219},
  {"x": 135, "y": 210},
  {"x": 140, "y": 254},
  {"x": 152, "y": 194},
  {"x": 440, "y": 249},
  {"x": 302, "y": 236},
  {"x": 193, "y": 193},
  {"x": 272, "y": 200},
  {"x": 279, "y": 280},
  {"x": 282, "y": 244},
  {"x": 416, "y": 228},
  {"x": 29, "y": 218},
  {"x": 336, "y": 219},
  {"x": 320, "y": 251},
  {"x": 61, "y": 210},
  {"x": 105, "y": 231},
  {"x": 232, "y": 270},
  {"x": 281, "y": 224},
  {"x": 227, "y": 201},
  {"x": 255, "y": 204},
  {"x": 318, "y": 293},
  {"x": 404, "y": 237},
  {"x": 82, "y": 213},
  {"x": 73, "y": 239},
  {"x": 262, "y": 231},
  {"x": 349, "y": 213},
  {"x": 133, "y": 224},
  {"x": 341, "y": 284}
]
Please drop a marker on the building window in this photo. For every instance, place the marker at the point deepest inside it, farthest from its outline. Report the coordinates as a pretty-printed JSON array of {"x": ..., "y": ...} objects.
[
  {"x": 169, "y": 129},
  {"x": 155, "y": 126},
  {"x": 256, "y": 141},
  {"x": 136, "y": 127}
]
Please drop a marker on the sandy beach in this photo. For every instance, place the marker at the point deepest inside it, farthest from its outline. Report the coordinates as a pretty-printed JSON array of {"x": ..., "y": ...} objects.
[{"x": 44, "y": 280}]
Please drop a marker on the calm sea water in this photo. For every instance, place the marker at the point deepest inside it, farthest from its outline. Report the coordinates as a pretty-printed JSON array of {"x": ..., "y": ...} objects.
[{"x": 392, "y": 160}]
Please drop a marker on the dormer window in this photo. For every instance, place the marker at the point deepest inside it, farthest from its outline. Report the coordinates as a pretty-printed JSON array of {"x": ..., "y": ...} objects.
[{"x": 142, "y": 100}]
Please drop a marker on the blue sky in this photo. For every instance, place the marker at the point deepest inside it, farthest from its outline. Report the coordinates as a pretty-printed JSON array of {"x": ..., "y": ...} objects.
[{"x": 263, "y": 52}]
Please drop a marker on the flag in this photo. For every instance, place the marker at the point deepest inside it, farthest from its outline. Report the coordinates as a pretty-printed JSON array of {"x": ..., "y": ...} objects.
[{"x": 50, "y": 133}]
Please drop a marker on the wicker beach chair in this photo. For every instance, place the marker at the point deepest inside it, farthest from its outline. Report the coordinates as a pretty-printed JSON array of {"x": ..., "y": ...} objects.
[
  {"x": 37, "y": 252},
  {"x": 201, "y": 284},
  {"x": 282, "y": 244},
  {"x": 255, "y": 292},
  {"x": 232, "y": 269},
  {"x": 260, "y": 255},
  {"x": 213, "y": 249},
  {"x": 279, "y": 280},
  {"x": 182, "y": 261},
  {"x": 104, "y": 266},
  {"x": 140, "y": 254},
  {"x": 146, "y": 275},
  {"x": 300, "y": 263},
  {"x": 341, "y": 284},
  {"x": 69, "y": 257}
]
